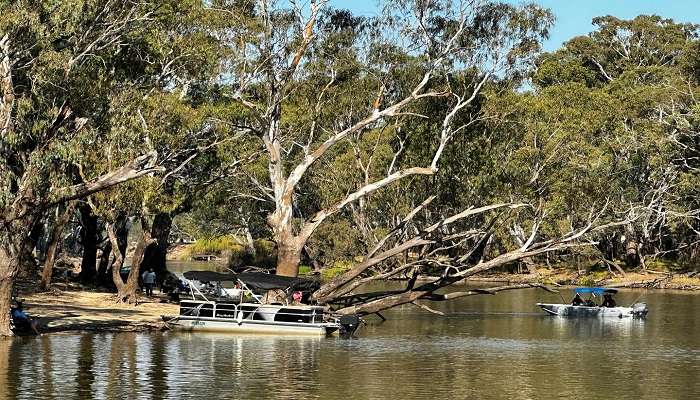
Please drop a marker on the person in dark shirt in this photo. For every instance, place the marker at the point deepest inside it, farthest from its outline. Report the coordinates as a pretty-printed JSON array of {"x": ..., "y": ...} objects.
[
  {"x": 20, "y": 317},
  {"x": 608, "y": 301},
  {"x": 577, "y": 301}
]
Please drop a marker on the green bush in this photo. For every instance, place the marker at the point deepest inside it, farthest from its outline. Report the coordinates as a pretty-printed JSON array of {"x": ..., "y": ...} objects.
[
  {"x": 304, "y": 270},
  {"x": 216, "y": 245},
  {"x": 265, "y": 256},
  {"x": 585, "y": 281},
  {"x": 336, "y": 269}
]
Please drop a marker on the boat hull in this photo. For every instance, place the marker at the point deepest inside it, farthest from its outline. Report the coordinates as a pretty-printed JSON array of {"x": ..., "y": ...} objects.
[
  {"x": 208, "y": 324},
  {"x": 569, "y": 310}
]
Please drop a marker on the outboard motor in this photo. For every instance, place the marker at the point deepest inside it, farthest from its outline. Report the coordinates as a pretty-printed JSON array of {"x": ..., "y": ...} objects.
[
  {"x": 349, "y": 324},
  {"x": 639, "y": 310}
]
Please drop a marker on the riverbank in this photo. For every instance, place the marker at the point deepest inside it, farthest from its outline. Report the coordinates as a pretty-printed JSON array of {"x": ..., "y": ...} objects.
[
  {"x": 65, "y": 311},
  {"x": 73, "y": 309},
  {"x": 566, "y": 277}
]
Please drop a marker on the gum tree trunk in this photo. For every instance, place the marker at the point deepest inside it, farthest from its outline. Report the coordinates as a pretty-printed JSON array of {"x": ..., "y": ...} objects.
[
  {"x": 88, "y": 238},
  {"x": 289, "y": 256},
  {"x": 118, "y": 256},
  {"x": 127, "y": 292},
  {"x": 8, "y": 270},
  {"x": 289, "y": 245},
  {"x": 155, "y": 255},
  {"x": 11, "y": 241},
  {"x": 54, "y": 242}
]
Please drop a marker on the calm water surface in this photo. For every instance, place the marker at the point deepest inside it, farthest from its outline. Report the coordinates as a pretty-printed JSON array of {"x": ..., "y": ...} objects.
[{"x": 488, "y": 347}]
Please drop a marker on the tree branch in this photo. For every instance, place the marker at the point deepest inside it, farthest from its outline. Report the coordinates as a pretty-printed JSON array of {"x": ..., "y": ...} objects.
[{"x": 138, "y": 167}]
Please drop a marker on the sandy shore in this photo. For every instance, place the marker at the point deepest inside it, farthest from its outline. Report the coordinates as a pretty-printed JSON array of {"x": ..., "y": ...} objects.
[{"x": 94, "y": 311}]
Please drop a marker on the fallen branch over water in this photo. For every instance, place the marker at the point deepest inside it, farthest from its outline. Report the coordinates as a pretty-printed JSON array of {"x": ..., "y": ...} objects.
[{"x": 369, "y": 303}]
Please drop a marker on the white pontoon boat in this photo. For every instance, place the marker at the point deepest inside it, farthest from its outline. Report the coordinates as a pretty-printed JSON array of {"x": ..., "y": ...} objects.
[
  {"x": 240, "y": 310},
  {"x": 590, "y": 309}
]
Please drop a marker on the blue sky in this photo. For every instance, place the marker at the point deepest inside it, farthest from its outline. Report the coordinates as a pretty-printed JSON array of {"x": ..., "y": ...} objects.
[{"x": 574, "y": 16}]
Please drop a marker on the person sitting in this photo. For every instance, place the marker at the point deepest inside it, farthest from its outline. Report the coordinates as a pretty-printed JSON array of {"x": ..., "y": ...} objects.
[
  {"x": 577, "y": 301},
  {"x": 296, "y": 297},
  {"x": 21, "y": 320},
  {"x": 608, "y": 301},
  {"x": 590, "y": 303}
]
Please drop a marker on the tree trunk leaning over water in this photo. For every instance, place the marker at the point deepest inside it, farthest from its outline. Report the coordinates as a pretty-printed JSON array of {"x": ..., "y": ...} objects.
[
  {"x": 54, "y": 242},
  {"x": 433, "y": 242}
]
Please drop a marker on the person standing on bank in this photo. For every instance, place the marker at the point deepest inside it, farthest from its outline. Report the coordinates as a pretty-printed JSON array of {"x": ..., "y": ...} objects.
[{"x": 149, "y": 280}]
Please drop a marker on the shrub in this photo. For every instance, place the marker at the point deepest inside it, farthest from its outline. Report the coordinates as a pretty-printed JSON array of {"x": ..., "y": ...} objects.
[
  {"x": 304, "y": 270},
  {"x": 215, "y": 245},
  {"x": 336, "y": 269}
]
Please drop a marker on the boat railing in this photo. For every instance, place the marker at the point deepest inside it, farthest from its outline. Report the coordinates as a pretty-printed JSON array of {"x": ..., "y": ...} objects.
[
  {"x": 249, "y": 311},
  {"x": 245, "y": 291}
]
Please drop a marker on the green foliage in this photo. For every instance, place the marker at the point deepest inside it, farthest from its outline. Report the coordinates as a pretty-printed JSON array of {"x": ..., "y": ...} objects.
[
  {"x": 216, "y": 246},
  {"x": 335, "y": 269},
  {"x": 336, "y": 242},
  {"x": 304, "y": 270}
]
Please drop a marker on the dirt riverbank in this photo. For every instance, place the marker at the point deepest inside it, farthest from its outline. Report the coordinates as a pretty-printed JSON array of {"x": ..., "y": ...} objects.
[{"x": 63, "y": 311}]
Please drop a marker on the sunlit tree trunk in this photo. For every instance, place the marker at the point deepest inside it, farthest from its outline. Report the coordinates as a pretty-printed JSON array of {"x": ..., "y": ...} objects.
[
  {"x": 126, "y": 291},
  {"x": 288, "y": 255},
  {"x": 118, "y": 256}
]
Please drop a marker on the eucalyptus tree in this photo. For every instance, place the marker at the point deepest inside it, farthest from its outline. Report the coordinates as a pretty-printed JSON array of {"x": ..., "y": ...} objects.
[
  {"x": 606, "y": 142},
  {"x": 189, "y": 138},
  {"x": 65, "y": 69},
  {"x": 611, "y": 121},
  {"x": 312, "y": 78}
]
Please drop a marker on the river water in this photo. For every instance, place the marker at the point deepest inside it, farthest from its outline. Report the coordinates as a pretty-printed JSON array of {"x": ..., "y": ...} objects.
[{"x": 487, "y": 347}]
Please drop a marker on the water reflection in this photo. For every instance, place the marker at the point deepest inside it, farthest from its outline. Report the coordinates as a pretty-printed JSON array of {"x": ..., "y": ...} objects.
[
  {"x": 487, "y": 347},
  {"x": 593, "y": 328}
]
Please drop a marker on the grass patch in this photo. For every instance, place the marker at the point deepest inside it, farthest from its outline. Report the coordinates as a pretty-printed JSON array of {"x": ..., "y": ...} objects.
[
  {"x": 339, "y": 267},
  {"x": 216, "y": 245},
  {"x": 304, "y": 270}
]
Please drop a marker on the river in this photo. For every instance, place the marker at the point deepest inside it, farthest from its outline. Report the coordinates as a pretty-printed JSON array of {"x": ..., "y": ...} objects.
[{"x": 487, "y": 347}]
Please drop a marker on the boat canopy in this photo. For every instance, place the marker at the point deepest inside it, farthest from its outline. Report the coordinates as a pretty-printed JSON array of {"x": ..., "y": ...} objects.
[
  {"x": 597, "y": 291},
  {"x": 255, "y": 280}
]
